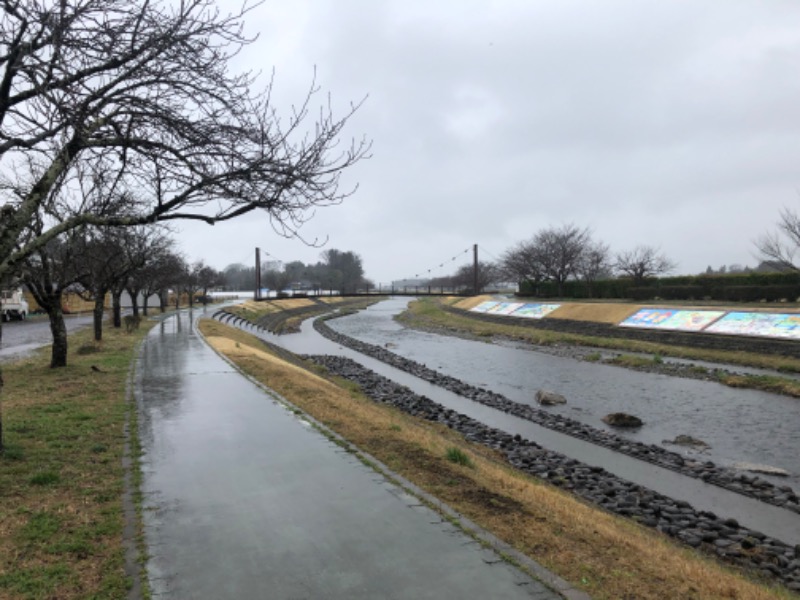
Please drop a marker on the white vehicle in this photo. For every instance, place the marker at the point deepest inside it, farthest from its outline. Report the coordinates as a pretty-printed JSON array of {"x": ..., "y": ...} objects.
[{"x": 13, "y": 304}]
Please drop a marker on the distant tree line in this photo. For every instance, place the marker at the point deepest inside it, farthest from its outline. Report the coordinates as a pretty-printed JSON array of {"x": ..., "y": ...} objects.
[
  {"x": 567, "y": 261},
  {"x": 337, "y": 270},
  {"x": 97, "y": 263}
]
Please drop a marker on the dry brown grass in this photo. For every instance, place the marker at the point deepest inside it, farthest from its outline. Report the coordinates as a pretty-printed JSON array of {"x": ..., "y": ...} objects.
[
  {"x": 290, "y": 303},
  {"x": 595, "y": 312},
  {"x": 607, "y": 556},
  {"x": 332, "y": 299},
  {"x": 469, "y": 303}
]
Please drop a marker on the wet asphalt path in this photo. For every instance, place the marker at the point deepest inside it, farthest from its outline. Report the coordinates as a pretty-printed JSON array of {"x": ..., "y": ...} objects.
[{"x": 245, "y": 500}]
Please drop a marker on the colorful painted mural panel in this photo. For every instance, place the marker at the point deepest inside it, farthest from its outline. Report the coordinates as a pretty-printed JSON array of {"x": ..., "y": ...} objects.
[
  {"x": 535, "y": 311},
  {"x": 779, "y": 325},
  {"x": 504, "y": 308},
  {"x": 484, "y": 307},
  {"x": 673, "y": 319},
  {"x": 648, "y": 318}
]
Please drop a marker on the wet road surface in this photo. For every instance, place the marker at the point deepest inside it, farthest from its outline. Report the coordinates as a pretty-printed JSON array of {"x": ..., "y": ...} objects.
[
  {"x": 21, "y": 337},
  {"x": 245, "y": 500}
]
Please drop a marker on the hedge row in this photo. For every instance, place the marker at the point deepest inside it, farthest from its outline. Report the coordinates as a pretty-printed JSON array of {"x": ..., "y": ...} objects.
[{"x": 754, "y": 287}]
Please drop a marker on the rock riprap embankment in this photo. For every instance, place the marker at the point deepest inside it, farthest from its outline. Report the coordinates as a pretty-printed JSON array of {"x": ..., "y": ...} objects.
[
  {"x": 736, "y": 481},
  {"x": 706, "y": 531}
]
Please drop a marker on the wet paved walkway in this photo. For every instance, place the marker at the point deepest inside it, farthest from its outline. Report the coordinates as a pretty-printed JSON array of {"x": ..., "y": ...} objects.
[{"x": 245, "y": 500}]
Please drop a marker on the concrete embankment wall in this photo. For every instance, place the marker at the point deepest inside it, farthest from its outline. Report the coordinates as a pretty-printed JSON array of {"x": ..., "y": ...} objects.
[{"x": 600, "y": 320}]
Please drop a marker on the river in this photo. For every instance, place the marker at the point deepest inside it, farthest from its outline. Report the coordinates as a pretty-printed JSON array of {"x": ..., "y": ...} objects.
[
  {"x": 512, "y": 371},
  {"x": 739, "y": 425}
]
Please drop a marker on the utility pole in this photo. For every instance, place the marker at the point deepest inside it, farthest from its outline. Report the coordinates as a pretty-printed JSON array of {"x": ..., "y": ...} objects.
[
  {"x": 475, "y": 289},
  {"x": 257, "y": 293}
]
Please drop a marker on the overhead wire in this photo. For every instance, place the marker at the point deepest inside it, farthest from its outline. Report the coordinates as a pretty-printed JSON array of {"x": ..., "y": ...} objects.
[{"x": 440, "y": 266}]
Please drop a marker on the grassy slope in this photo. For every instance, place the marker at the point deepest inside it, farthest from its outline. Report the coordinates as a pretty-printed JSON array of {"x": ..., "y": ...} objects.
[
  {"x": 61, "y": 477},
  {"x": 607, "y": 556},
  {"x": 427, "y": 313}
]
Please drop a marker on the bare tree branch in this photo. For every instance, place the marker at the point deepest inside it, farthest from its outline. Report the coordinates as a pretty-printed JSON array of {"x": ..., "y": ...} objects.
[
  {"x": 779, "y": 247},
  {"x": 138, "y": 98},
  {"x": 643, "y": 262}
]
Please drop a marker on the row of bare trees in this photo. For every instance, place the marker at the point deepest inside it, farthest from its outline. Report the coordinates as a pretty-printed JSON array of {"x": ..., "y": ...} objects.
[
  {"x": 99, "y": 263},
  {"x": 560, "y": 254},
  {"x": 120, "y": 114},
  {"x": 569, "y": 252}
]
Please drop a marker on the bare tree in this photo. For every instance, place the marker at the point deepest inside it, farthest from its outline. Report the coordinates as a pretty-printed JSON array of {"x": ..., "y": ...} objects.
[
  {"x": 207, "y": 277},
  {"x": 780, "y": 247},
  {"x": 276, "y": 279},
  {"x": 158, "y": 276},
  {"x": 488, "y": 273},
  {"x": 522, "y": 263},
  {"x": 48, "y": 273},
  {"x": 145, "y": 246},
  {"x": 146, "y": 103},
  {"x": 186, "y": 285},
  {"x": 643, "y": 262},
  {"x": 595, "y": 264},
  {"x": 108, "y": 97},
  {"x": 552, "y": 254},
  {"x": 108, "y": 257}
]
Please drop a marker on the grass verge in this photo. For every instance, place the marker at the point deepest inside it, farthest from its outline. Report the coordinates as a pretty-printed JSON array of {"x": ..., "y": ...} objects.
[
  {"x": 607, "y": 556},
  {"x": 61, "y": 476}
]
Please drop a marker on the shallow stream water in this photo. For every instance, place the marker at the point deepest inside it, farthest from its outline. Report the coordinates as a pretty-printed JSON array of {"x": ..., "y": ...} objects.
[
  {"x": 376, "y": 325},
  {"x": 739, "y": 425}
]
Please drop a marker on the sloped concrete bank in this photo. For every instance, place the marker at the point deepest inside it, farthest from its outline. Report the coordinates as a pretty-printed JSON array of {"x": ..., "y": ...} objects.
[
  {"x": 709, "y": 341},
  {"x": 724, "y": 538},
  {"x": 749, "y": 485},
  {"x": 276, "y": 322}
]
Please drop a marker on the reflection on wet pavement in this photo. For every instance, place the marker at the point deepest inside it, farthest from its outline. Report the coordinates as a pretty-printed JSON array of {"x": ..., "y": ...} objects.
[{"x": 245, "y": 500}]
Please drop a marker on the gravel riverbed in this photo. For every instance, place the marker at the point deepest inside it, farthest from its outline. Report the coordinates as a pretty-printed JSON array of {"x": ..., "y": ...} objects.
[
  {"x": 725, "y": 538},
  {"x": 743, "y": 483}
]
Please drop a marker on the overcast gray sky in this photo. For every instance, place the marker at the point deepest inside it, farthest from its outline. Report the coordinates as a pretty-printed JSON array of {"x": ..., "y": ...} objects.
[{"x": 669, "y": 123}]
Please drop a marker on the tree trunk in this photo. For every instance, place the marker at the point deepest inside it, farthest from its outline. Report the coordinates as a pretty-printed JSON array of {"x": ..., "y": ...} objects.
[
  {"x": 58, "y": 354},
  {"x": 134, "y": 294},
  {"x": 116, "y": 307},
  {"x": 162, "y": 302},
  {"x": 144, "y": 304},
  {"x": 1, "y": 396},
  {"x": 99, "y": 307}
]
